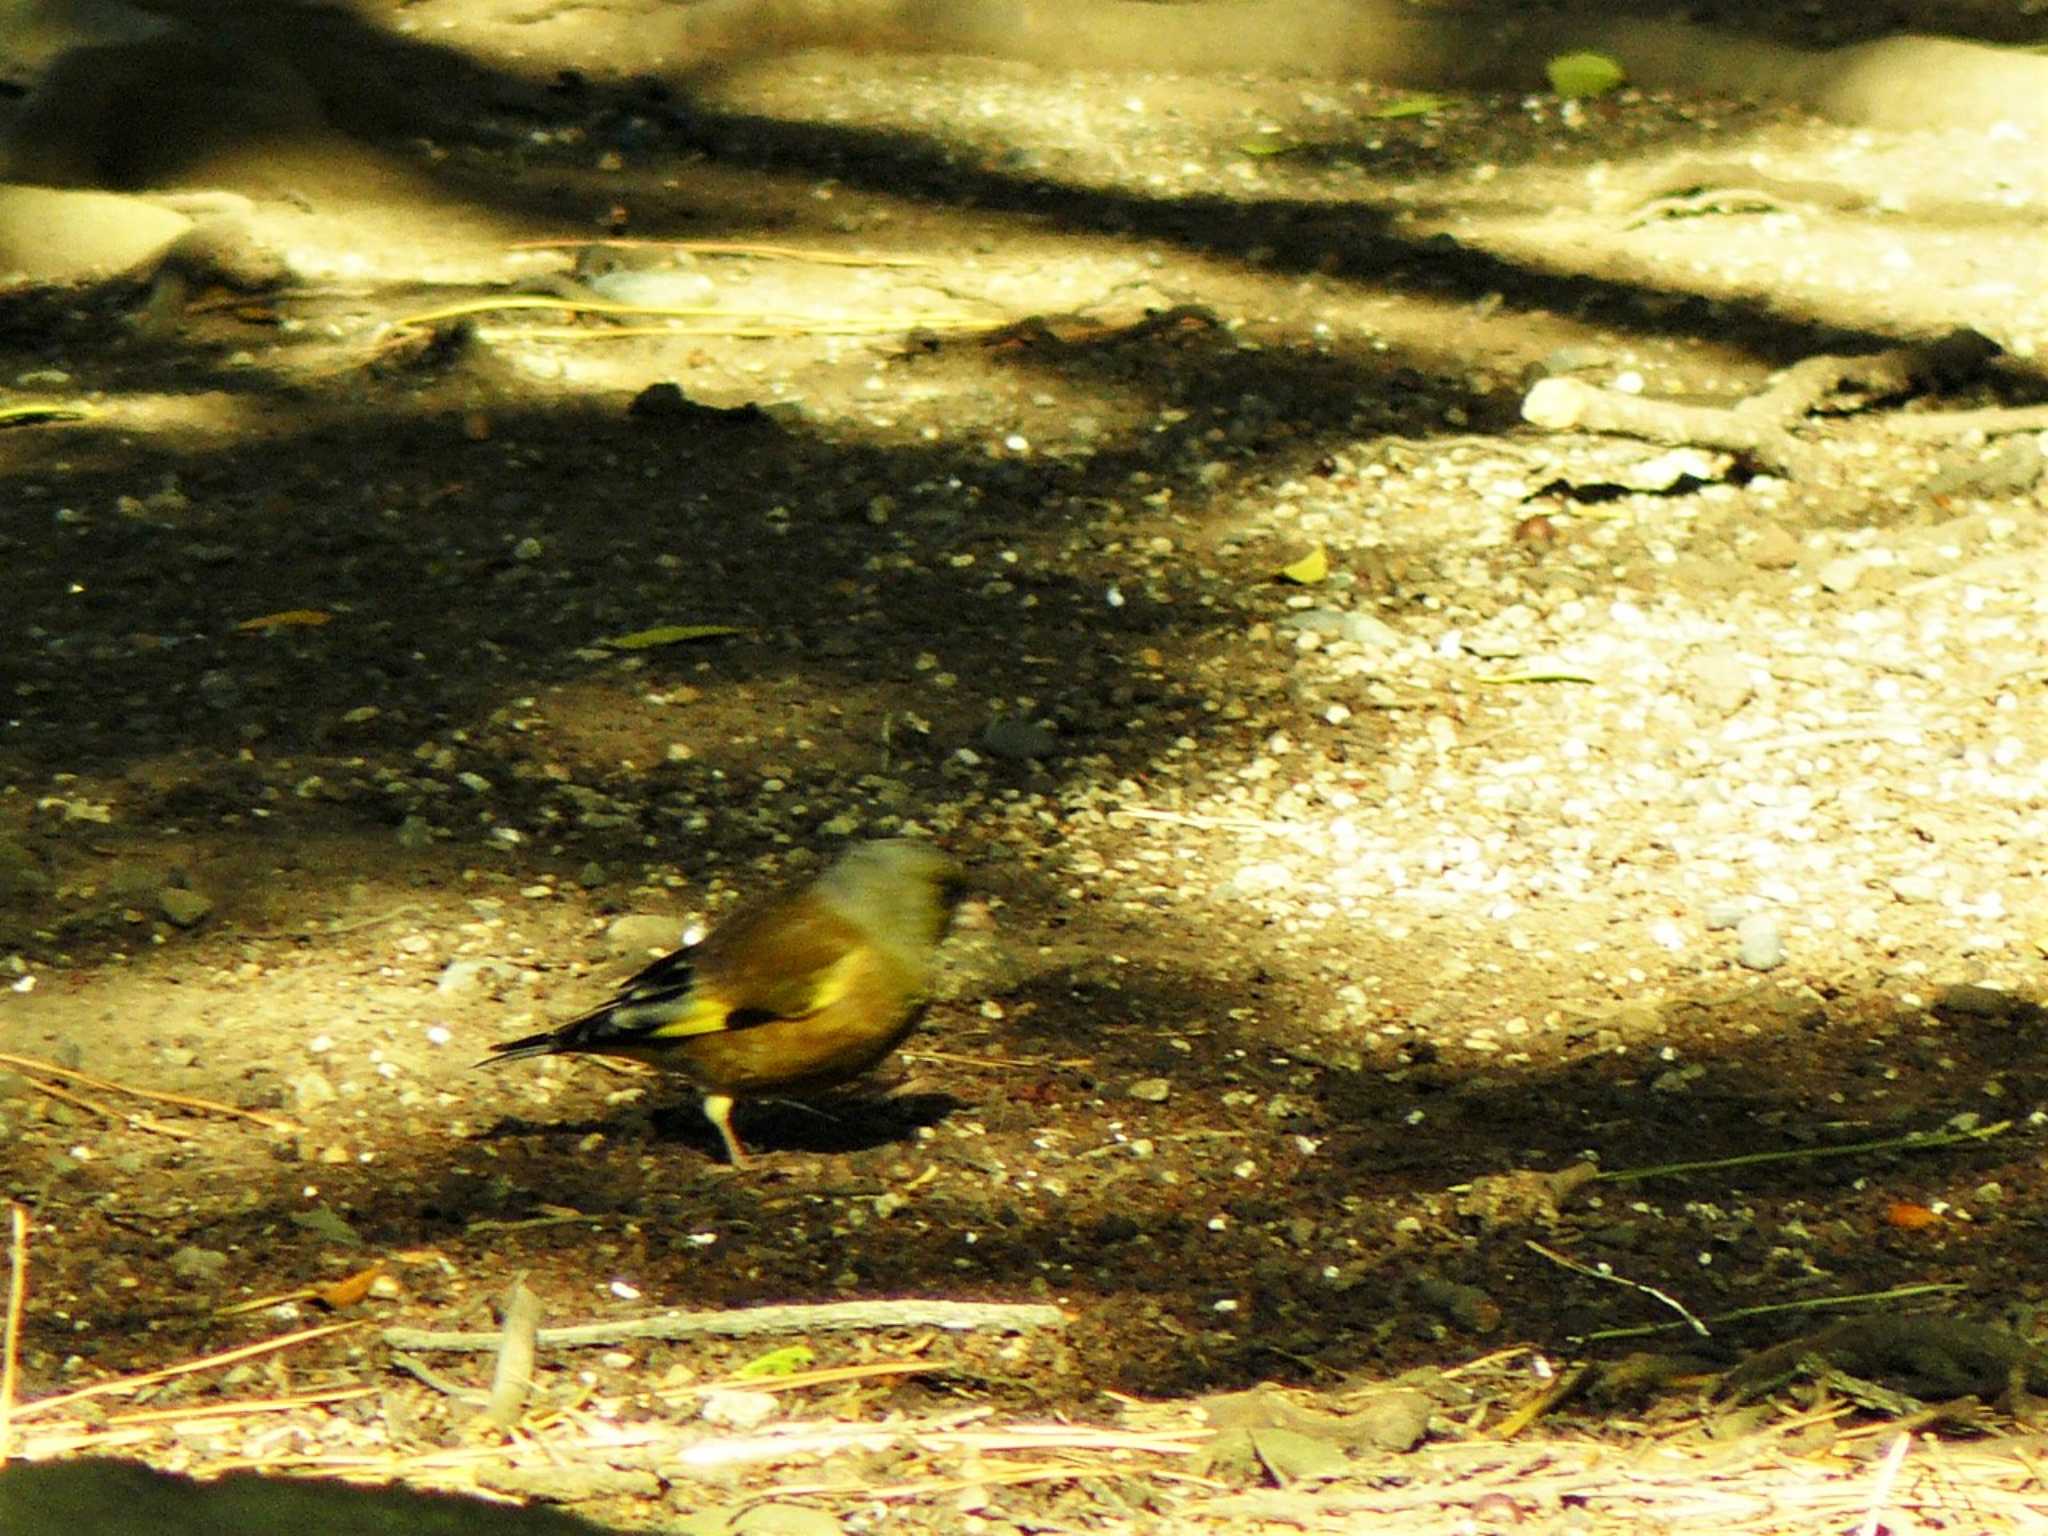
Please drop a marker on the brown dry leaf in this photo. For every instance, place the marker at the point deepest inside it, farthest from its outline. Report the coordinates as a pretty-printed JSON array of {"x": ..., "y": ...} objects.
[
  {"x": 348, "y": 1290},
  {"x": 290, "y": 618},
  {"x": 1908, "y": 1216}
]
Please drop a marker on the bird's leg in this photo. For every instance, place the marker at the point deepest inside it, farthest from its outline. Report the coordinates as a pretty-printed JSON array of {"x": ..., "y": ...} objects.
[{"x": 718, "y": 1110}]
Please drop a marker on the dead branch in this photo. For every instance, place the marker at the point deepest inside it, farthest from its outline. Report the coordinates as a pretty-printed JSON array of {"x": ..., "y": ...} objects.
[{"x": 748, "y": 1322}]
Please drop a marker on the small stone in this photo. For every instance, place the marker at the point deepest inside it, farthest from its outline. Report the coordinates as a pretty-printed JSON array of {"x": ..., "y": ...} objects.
[
  {"x": 1968, "y": 1000},
  {"x": 1494, "y": 647},
  {"x": 738, "y": 1409},
  {"x": 1914, "y": 890},
  {"x": 325, "y": 1225},
  {"x": 1774, "y": 550},
  {"x": 1151, "y": 1090},
  {"x": 638, "y": 933},
  {"x": 311, "y": 1090},
  {"x": 465, "y": 976},
  {"x": 1760, "y": 946},
  {"x": 198, "y": 1266},
  {"x": 183, "y": 908},
  {"x": 1841, "y": 575},
  {"x": 1018, "y": 740},
  {"x": 1392, "y": 1420},
  {"x": 1718, "y": 681},
  {"x": 1293, "y": 1457},
  {"x": 1722, "y": 915}
]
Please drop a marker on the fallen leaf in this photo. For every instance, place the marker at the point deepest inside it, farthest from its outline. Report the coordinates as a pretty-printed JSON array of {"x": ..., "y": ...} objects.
[
  {"x": 777, "y": 1362},
  {"x": 290, "y": 618},
  {"x": 1309, "y": 569},
  {"x": 348, "y": 1290},
  {"x": 670, "y": 634},
  {"x": 1412, "y": 106},
  {"x": 1577, "y": 76},
  {"x": 1910, "y": 1217}
]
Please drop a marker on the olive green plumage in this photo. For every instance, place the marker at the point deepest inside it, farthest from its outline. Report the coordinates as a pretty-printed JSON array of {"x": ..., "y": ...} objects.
[{"x": 800, "y": 992}]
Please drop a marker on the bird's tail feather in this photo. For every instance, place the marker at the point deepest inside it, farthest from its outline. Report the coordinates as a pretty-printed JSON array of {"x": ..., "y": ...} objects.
[{"x": 542, "y": 1044}]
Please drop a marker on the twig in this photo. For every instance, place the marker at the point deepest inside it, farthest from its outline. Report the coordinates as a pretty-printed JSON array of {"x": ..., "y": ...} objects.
[
  {"x": 557, "y": 1219},
  {"x": 1772, "y": 1309},
  {"x": 712, "y": 321},
  {"x": 826, "y": 1317},
  {"x": 512, "y": 1377},
  {"x": 447, "y": 1386},
  {"x": 1915, "y": 1143},
  {"x": 992, "y": 1063},
  {"x": 1563, "y": 1389},
  {"x": 204, "y": 1363},
  {"x": 1593, "y": 1272},
  {"x": 1887, "y": 1474},
  {"x": 1524, "y": 679},
  {"x": 1007, "y": 1478},
  {"x": 726, "y": 248},
  {"x": 10, "y": 1345},
  {"x": 139, "y": 1122},
  {"x": 194, "y": 1412},
  {"x": 1211, "y": 823},
  {"x": 209, "y": 1106},
  {"x": 798, "y": 1380}
]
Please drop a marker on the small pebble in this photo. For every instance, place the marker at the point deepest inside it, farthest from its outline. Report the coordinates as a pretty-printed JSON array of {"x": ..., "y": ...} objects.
[
  {"x": 1018, "y": 740},
  {"x": 183, "y": 908},
  {"x": 1761, "y": 945},
  {"x": 1722, "y": 915},
  {"x": 1841, "y": 575},
  {"x": 738, "y": 1409},
  {"x": 639, "y": 932}
]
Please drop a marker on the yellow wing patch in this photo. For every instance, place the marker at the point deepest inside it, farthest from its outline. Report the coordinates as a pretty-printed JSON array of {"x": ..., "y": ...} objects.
[
  {"x": 710, "y": 1016},
  {"x": 695, "y": 1016}
]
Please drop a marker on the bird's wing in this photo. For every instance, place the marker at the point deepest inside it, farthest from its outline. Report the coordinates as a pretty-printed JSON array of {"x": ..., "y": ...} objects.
[
  {"x": 786, "y": 963},
  {"x": 784, "y": 960}
]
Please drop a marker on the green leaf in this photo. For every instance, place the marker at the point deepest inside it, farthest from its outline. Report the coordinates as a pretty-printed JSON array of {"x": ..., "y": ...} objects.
[
  {"x": 777, "y": 1362},
  {"x": 1577, "y": 76},
  {"x": 1268, "y": 142},
  {"x": 1412, "y": 106}
]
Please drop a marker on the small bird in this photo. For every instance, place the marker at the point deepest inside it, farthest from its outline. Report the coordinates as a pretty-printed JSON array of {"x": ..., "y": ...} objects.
[{"x": 806, "y": 990}]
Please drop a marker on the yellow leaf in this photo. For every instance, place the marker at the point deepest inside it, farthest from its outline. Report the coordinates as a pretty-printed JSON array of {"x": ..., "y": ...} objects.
[
  {"x": 671, "y": 634},
  {"x": 1575, "y": 76},
  {"x": 777, "y": 1362},
  {"x": 1309, "y": 569},
  {"x": 291, "y": 618}
]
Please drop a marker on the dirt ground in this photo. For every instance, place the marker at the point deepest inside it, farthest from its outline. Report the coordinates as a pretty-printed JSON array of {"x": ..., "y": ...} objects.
[{"x": 1570, "y": 800}]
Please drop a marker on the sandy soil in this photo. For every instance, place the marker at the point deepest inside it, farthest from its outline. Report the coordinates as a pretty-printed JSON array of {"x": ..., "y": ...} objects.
[{"x": 1572, "y": 804}]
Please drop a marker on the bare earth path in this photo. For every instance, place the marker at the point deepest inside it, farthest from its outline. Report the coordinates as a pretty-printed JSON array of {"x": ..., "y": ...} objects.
[{"x": 1574, "y": 801}]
